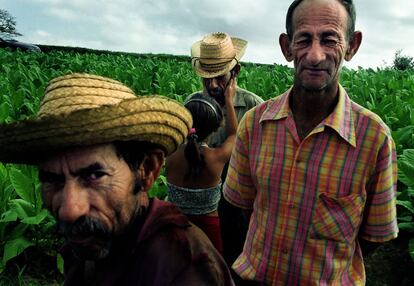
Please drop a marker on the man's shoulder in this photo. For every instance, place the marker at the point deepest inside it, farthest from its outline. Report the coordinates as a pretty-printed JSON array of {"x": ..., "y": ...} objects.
[
  {"x": 375, "y": 121},
  {"x": 268, "y": 107},
  {"x": 166, "y": 222},
  {"x": 247, "y": 98}
]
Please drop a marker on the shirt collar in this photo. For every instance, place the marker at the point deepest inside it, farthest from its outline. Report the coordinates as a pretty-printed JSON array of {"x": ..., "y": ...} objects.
[{"x": 340, "y": 119}]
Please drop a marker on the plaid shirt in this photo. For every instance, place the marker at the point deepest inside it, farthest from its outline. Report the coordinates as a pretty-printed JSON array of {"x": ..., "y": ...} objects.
[{"x": 311, "y": 200}]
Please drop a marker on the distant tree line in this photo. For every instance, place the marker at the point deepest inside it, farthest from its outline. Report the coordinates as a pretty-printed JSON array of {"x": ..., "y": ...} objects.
[
  {"x": 7, "y": 25},
  {"x": 403, "y": 62}
]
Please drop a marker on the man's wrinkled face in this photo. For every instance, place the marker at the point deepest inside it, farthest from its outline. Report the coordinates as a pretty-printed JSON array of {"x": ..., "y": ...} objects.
[
  {"x": 319, "y": 43},
  {"x": 90, "y": 192},
  {"x": 216, "y": 87}
]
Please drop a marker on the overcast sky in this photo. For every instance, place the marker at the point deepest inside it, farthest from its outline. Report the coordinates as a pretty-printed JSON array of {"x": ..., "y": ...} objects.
[{"x": 171, "y": 26}]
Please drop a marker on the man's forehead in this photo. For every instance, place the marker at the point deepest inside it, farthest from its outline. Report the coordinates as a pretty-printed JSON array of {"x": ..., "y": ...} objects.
[
  {"x": 80, "y": 157},
  {"x": 320, "y": 13}
]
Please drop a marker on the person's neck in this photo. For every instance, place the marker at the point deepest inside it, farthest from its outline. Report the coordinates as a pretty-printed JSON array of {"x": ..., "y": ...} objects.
[
  {"x": 309, "y": 108},
  {"x": 129, "y": 235}
]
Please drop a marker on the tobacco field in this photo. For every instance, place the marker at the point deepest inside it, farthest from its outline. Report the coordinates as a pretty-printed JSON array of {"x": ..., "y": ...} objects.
[{"x": 28, "y": 247}]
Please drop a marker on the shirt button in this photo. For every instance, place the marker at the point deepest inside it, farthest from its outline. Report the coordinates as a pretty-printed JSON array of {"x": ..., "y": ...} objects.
[
  {"x": 291, "y": 206},
  {"x": 285, "y": 251},
  {"x": 298, "y": 161}
]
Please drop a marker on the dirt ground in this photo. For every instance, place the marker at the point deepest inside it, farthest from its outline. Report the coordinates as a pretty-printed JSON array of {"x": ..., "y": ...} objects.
[{"x": 390, "y": 264}]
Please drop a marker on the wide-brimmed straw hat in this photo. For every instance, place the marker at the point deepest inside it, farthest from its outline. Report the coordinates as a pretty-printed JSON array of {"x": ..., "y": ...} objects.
[
  {"x": 83, "y": 109},
  {"x": 216, "y": 54}
]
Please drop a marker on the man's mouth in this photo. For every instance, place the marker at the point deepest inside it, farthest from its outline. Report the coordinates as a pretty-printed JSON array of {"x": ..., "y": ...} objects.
[{"x": 314, "y": 71}]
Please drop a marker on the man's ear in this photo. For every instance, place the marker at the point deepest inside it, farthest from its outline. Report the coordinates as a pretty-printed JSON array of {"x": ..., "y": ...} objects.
[
  {"x": 285, "y": 47},
  {"x": 150, "y": 168},
  {"x": 353, "y": 45}
]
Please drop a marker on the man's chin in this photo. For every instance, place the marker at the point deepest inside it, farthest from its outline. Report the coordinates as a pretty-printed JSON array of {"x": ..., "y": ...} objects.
[
  {"x": 91, "y": 250},
  {"x": 315, "y": 86}
]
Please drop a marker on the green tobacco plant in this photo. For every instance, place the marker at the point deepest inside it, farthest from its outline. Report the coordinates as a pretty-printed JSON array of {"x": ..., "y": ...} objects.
[
  {"x": 24, "y": 222},
  {"x": 405, "y": 199},
  {"x": 159, "y": 189}
]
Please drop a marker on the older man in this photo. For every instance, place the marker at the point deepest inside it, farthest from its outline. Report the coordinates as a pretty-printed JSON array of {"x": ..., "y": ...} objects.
[
  {"x": 316, "y": 171},
  {"x": 216, "y": 59},
  {"x": 99, "y": 149}
]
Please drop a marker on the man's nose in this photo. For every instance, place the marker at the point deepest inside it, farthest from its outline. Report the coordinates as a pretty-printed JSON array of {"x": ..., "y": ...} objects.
[
  {"x": 75, "y": 202},
  {"x": 213, "y": 83},
  {"x": 316, "y": 53}
]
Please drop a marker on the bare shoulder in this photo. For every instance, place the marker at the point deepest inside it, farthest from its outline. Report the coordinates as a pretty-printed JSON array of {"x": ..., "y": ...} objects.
[{"x": 215, "y": 157}]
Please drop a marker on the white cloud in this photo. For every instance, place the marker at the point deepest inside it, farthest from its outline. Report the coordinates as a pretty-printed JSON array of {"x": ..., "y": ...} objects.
[
  {"x": 171, "y": 26},
  {"x": 63, "y": 13}
]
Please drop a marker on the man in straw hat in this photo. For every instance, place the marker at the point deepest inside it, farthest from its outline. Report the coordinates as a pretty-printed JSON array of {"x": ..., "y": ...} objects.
[
  {"x": 216, "y": 59},
  {"x": 317, "y": 171},
  {"x": 99, "y": 149}
]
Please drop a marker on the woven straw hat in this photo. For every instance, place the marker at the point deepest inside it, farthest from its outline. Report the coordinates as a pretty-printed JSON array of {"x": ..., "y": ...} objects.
[
  {"x": 83, "y": 109},
  {"x": 216, "y": 54}
]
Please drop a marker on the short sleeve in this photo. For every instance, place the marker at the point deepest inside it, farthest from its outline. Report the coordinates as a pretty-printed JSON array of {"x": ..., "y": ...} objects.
[
  {"x": 238, "y": 188},
  {"x": 380, "y": 215}
]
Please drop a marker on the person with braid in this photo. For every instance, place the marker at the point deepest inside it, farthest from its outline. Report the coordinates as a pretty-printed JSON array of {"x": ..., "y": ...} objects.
[{"x": 194, "y": 171}]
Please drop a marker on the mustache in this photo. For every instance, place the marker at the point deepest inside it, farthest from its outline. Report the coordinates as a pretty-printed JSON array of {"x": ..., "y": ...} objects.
[
  {"x": 82, "y": 227},
  {"x": 216, "y": 91}
]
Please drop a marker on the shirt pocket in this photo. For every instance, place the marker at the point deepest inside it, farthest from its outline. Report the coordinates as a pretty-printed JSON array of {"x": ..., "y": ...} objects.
[{"x": 337, "y": 218}]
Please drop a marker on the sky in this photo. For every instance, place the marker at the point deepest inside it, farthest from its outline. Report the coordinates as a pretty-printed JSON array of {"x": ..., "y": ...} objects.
[{"x": 172, "y": 26}]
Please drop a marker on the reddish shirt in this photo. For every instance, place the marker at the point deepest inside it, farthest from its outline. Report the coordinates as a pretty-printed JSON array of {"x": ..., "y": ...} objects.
[{"x": 163, "y": 249}]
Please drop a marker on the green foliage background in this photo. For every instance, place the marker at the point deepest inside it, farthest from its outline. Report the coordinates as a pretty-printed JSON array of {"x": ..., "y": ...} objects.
[{"x": 26, "y": 228}]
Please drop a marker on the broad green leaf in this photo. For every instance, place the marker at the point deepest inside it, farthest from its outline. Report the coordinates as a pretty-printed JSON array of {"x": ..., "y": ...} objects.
[
  {"x": 14, "y": 247},
  {"x": 36, "y": 219},
  {"x": 18, "y": 231},
  {"x": 22, "y": 184},
  {"x": 405, "y": 218},
  {"x": 163, "y": 180},
  {"x": 8, "y": 216},
  {"x": 4, "y": 111},
  {"x": 408, "y": 226},
  {"x": 407, "y": 205},
  {"x": 411, "y": 248},
  {"x": 409, "y": 155},
  {"x": 22, "y": 208},
  {"x": 60, "y": 263},
  {"x": 3, "y": 172},
  {"x": 406, "y": 167}
]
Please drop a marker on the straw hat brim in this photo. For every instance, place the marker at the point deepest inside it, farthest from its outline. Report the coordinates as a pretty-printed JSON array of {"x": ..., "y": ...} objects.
[
  {"x": 239, "y": 47},
  {"x": 153, "y": 119}
]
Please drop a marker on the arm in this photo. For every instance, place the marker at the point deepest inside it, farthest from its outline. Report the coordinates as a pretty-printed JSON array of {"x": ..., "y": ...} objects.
[
  {"x": 380, "y": 220},
  {"x": 231, "y": 122},
  {"x": 239, "y": 188}
]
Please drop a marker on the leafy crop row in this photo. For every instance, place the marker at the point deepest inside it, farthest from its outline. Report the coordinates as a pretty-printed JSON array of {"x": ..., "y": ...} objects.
[{"x": 24, "y": 224}]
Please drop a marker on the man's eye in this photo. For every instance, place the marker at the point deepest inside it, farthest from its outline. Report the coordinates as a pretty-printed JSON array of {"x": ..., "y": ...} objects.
[
  {"x": 330, "y": 42},
  {"x": 302, "y": 42},
  {"x": 93, "y": 176}
]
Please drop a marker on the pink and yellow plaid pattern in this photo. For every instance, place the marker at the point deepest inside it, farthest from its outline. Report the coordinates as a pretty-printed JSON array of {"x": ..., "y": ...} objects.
[{"x": 311, "y": 199}]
